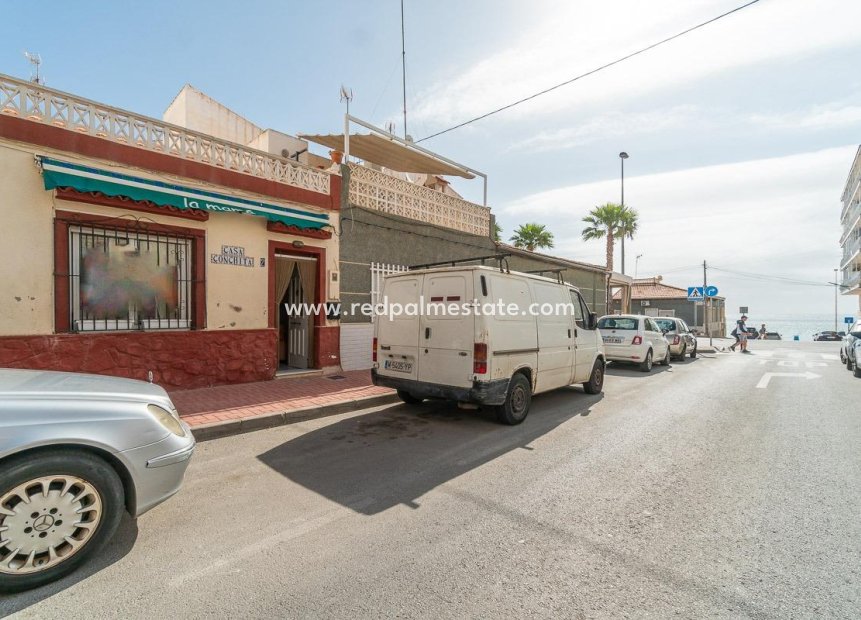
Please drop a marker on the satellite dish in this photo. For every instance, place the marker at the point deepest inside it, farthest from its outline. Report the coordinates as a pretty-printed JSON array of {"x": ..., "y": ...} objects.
[{"x": 285, "y": 153}]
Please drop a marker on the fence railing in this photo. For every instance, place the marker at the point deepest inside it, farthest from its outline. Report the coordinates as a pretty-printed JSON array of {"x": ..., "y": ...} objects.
[
  {"x": 37, "y": 103},
  {"x": 376, "y": 190},
  {"x": 378, "y": 272}
]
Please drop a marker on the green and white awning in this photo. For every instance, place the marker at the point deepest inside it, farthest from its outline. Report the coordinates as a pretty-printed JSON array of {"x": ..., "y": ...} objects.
[{"x": 86, "y": 179}]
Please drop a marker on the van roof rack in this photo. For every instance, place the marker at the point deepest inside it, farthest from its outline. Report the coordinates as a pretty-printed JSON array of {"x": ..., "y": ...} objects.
[
  {"x": 558, "y": 271},
  {"x": 501, "y": 259}
]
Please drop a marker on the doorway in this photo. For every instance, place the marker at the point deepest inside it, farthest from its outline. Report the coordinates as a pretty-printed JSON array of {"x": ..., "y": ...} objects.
[{"x": 295, "y": 278}]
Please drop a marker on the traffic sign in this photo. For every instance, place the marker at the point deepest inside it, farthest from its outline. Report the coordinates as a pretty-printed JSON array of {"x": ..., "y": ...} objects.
[
  {"x": 849, "y": 320},
  {"x": 711, "y": 291},
  {"x": 695, "y": 293},
  {"x": 743, "y": 310}
]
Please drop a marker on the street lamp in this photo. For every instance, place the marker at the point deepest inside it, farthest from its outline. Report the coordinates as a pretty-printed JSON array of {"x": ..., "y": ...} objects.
[
  {"x": 637, "y": 264},
  {"x": 622, "y": 157}
]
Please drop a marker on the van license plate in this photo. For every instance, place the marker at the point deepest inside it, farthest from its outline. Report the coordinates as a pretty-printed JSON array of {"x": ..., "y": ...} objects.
[
  {"x": 612, "y": 340},
  {"x": 398, "y": 366}
]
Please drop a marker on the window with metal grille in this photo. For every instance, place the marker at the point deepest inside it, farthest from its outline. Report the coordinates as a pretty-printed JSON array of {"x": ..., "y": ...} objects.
[{"x": 128, "y": 279}]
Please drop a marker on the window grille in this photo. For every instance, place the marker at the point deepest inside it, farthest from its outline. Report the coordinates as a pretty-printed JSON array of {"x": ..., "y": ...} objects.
[{"x": 124, "y": 279}]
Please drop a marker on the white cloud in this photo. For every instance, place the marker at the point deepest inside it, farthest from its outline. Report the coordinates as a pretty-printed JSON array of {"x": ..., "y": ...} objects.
[
  {"x": 575, "y": 37},
  {"x": 818, "y": 117},
  {"x": 612, "y": 125},
  {"x": 777, "y": 216}
]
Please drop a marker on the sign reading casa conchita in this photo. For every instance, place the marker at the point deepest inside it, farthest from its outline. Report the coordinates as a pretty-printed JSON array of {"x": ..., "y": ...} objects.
[{"x": 232, "y": 255}]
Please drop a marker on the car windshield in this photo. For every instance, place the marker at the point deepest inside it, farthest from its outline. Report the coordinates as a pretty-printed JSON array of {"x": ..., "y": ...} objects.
[
  {"x": 618, "y": 322},
  {"x": 666, "y": 324}
]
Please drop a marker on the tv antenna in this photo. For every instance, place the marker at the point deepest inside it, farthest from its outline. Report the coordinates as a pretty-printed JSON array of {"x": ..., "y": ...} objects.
[
  {"x": 346, "y": 95},
  {"x": 390, "y": 127},
  {"x": 34, "y": 60}
]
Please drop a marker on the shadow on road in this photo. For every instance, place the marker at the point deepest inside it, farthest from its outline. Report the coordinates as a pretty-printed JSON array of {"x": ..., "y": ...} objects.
[
  {"x": 372, "y": 462},
  {"x": 117, "y": 548}
]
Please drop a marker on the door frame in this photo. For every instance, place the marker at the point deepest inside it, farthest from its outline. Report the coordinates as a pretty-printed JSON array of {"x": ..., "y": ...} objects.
[{"x": 287, "y": 248}]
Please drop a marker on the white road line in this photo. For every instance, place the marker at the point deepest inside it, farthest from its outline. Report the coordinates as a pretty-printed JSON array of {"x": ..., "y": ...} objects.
[
  {"x": 763, "y": 383},
  {"x": 829, "y": 356}
]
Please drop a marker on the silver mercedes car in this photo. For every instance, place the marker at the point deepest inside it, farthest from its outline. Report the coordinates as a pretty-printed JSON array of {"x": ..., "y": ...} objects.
[{"x": 75, "y": 451}]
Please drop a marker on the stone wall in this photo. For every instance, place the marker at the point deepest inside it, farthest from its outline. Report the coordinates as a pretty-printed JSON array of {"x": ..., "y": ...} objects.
[{"x": 178, "y": 360}]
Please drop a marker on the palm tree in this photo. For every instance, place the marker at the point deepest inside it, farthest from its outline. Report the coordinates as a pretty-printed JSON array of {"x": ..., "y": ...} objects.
[
  {"x": 532, "y": 236},
  {"x": 497, "y": 232},
  {"x": 610, "y": 221}
]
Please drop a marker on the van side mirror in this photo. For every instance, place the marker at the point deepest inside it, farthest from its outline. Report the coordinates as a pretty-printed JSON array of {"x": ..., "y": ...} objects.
[{"x": 593, "y": 320}]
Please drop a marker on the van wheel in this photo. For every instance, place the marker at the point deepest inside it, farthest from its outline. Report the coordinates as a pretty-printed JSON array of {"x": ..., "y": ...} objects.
[
  {"x": 596, "y": 380},
  {"x": 517, "y": 401},
  {"x": 409, "y": 398},
  {"x": 646, "y": 364}
]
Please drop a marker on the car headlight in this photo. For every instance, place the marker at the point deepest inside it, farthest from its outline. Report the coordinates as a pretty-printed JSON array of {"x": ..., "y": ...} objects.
[{"x": 167, "y": 420}]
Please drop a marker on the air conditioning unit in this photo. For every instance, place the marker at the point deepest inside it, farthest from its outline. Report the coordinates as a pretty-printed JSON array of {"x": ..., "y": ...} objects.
[{"x": 645, "y": 303}]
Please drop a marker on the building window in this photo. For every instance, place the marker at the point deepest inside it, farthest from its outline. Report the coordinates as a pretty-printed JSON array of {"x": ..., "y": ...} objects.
[{"x": 122, "y": 279}]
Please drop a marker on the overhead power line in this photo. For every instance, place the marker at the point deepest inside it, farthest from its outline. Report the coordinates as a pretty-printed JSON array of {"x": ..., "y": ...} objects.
[
  {"x": 770, "y": 278},
  {"x": 591, "y": 72}
]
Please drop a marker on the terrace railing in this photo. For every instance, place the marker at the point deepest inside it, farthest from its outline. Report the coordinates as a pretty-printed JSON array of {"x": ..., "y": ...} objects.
[
  {"x": 37, "y": 103},
  {"x": 376, "y": 190}
]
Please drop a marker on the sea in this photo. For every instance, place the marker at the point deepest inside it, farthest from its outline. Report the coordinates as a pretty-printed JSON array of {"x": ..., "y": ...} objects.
[{"x": 788, "y": 326}]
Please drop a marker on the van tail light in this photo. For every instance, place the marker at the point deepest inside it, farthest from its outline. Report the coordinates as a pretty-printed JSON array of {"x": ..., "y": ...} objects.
[
  {"x": 374, "y": 352},
  {"x": 479, "y": 358},
  {"x": 637, "y": 340},
  {"x": 676, "y": 339}
]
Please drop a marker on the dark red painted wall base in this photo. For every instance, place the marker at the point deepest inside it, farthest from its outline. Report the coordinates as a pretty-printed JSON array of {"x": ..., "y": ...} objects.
[
  {"x": 329, "y": 347},
  {"x": 178, "y": 360}
]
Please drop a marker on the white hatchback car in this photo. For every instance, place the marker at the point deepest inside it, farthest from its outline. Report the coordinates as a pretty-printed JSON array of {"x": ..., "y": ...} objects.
[{"x": 635, "y": 339}]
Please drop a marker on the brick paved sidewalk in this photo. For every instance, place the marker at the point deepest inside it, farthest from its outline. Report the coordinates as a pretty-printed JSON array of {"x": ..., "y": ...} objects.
[{"x": 226, "y": 403}]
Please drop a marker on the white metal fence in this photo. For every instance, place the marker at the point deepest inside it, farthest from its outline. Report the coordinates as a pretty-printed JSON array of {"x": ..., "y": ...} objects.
[{"x": 378, "y": 272}]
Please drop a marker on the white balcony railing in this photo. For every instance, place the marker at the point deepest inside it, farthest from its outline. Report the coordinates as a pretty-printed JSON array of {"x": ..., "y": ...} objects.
[
  {"x": 382, "y": 192},
  {"x": 34, "y": 102}
]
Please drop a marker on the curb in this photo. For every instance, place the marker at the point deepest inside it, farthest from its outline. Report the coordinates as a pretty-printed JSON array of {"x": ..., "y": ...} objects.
[{"x": 226, "y": 428}]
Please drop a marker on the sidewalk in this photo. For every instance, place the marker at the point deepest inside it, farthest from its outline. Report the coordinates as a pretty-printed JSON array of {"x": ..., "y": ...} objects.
[
  {"x": 718, "y": 344},
  {"x": 231, "y": 409}
]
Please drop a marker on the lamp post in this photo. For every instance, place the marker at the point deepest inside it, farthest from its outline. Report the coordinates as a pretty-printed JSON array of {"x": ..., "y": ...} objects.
[
  {"x": 637, "y": 264},
  {"x": 622, "y": 157},
  {"x": 836, "y": 288}
]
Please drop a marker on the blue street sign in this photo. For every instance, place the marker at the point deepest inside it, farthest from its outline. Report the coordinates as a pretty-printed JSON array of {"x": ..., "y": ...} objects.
[
  {"x": 711, "y": 291},
  {"x": 848, "y": 319},
  {"x": 695, "y": 293}
]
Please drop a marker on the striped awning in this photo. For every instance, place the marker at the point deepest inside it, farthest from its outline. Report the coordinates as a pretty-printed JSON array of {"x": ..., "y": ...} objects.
[{"x": 86, "y": 179}]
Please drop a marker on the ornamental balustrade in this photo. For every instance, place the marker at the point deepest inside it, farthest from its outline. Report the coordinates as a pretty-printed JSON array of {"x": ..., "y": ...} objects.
[
  {"x": 39, "y": 104},
  {"x": 376, "y": 190}
]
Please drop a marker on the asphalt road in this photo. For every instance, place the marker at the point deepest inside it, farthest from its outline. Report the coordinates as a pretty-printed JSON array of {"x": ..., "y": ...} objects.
[{"x": 687, "y": 492}]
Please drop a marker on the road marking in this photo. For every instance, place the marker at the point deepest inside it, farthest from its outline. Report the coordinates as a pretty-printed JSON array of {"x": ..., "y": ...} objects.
[
  {"x": 763, "y": 383},
  {"x": 829, "y": 356}
]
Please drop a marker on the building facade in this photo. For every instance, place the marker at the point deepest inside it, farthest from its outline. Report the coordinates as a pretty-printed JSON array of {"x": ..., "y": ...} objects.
[
  {"x": 651, "y": 297},
  {"x": 850, "y": 240},
  {"x": 141, "y": 248}
]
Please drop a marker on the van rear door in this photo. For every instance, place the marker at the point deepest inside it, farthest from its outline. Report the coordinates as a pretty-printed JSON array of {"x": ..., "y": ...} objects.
[
  {"x": 398, "y": 333},
  {"x": 446, "y": 338}
]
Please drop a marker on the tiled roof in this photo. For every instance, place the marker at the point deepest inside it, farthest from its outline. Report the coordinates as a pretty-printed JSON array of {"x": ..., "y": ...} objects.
[{"x": 653, "y": 289}]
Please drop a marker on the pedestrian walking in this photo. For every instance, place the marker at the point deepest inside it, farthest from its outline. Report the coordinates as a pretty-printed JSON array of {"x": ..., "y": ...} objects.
[
  {"x": 741, "y": 334},
  {"x": 762, "y": 332}
]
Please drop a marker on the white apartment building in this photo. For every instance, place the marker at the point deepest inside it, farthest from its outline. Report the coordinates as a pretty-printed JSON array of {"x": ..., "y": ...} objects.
[{"x": 850, "y": 240}]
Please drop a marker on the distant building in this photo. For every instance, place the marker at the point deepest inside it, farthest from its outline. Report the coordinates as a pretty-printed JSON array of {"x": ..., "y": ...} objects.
[
  {"x": 850, "y": 240},
  {"x": 650, "y": 296}
]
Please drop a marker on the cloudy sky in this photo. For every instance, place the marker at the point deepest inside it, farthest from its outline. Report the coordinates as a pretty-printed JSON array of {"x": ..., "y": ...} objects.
[{"x": 740, "y": 134}]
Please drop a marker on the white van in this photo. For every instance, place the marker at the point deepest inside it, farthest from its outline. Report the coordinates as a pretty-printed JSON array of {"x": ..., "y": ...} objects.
[{"x": 515, "y": 335}]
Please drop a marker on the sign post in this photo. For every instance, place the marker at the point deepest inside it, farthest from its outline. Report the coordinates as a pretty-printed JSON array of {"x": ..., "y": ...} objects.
[
  {"x": 849, "y": 320},
  {"x": 695, "y": 294}
]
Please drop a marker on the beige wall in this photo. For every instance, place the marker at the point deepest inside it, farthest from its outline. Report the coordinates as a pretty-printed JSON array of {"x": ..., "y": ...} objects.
[
  {"x": 237, "y": 297},
  {"x": 197, "y": 111}
]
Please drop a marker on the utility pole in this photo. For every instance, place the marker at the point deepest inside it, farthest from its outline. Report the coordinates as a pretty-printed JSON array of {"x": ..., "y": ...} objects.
[
  {"x": 404, "y": 69},
  {"x": 706, "y": 303},
  {"x": 622, "y": 157},
  {"x": 836, "y": 288}
]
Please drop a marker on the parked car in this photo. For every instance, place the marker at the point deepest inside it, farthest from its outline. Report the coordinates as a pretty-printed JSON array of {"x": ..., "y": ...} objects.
[
  {"x": 850, "y": 350},
  {"x": 486, "y": 358},
  {"x": 634, "y": 339},
  {"x": 772, "y": 336},
  {"x": 678, "y": 334},
  {"x": 827, "y": 336},
  {"x": 76, "y": 451}
]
